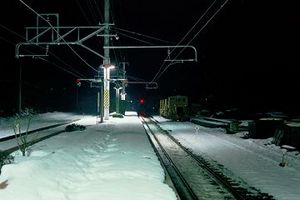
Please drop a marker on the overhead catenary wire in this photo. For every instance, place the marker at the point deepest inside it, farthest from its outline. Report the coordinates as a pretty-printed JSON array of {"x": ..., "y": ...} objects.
[
  {"x": 160, "y": 71},
  {"x": 115, "y": 54},
  {"x": 112, "y": 17},
  {"x": 11, "y": 31},
  {"x": 143, "y": 35},
  {"x": 136, "y": 78},
  {"x": 94, "y": 14},
  {"x": 134, "y": 38},
  {"x": 83, "y": 13},
  {"x": 125, "y": 33},
  {"x": 70, "y": 72},
  {"x": 222, "y": 5},
  {"x": 79, "y": 75},
  {"x": 58, "y": 34},
  {"x": 200, "y": 18},
  {"x": 75, "y": 73},
  {"x": 99, "y": 11}
]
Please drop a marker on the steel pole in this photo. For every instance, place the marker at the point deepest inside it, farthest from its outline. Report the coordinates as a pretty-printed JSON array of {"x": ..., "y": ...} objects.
[
  {"x": 106, "y": 60},
  {"x": 117, "y": 100}
]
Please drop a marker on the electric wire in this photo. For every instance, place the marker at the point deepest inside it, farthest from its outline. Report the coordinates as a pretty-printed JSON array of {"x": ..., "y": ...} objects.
[
  {"x": 83, "y": 13},
  {"x": 143, "y": 35},
  {"x": 58, "y": 34},
  {"x": 99, "y": 11},
  {"x": 115, "y": 54},
  {"x": 113, "y": 19},
  {"x": 93, "y": 12},
  {"x": 193, "y": 38},
  {"x": 120, "y": 32},
  {"x": 11, "y": 31},
  {"x": 9, "y": 42},
  {"x": 80, "y": 75},
  {"x": 72, "y": 73},
  {"x": 20, "y": 36},
  {"x": 136, "y": 78},
  {"x": 189, "y": 31},
  {"x": 222, "y": 5},
  {"x": 112, "y": 5},
  {"x": 134, "y": 38}
]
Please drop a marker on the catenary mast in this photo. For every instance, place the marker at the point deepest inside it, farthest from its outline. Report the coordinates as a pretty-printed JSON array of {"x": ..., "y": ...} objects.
[{"x": 106, "y": 60}]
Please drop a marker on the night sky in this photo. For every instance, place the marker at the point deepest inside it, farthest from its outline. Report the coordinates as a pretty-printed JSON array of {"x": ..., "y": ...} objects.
[{"x": 248, "y": 53}]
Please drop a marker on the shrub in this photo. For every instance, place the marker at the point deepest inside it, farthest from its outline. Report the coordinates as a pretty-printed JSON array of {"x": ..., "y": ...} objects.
[
  {"x": 74, "y": 127},
  {"x": 117, "y": 115},
  {"x": 20, "y": 119}
]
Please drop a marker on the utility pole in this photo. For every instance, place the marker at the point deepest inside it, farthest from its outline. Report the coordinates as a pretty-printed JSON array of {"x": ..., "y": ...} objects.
[{"x": 106, "y": 60}]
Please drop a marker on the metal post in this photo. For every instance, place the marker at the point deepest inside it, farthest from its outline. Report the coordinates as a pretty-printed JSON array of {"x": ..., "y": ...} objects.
[
  {"x": 99, "y": 96},
  {"x": 20, "y": 90},
  {"x": 118, "y": 99},
  {"x": 98, "y": 103},
  {"x": 106, "y": 61},
  {"x": 123, "y": 93},
  {"x": 77, "y": 98},
  {"x": 101, "y": 104}
]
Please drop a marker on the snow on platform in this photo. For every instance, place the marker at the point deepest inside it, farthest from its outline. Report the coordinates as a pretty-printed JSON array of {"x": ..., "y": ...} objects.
[
  {"x": 38, "y": 121},
  {"x": 112, "y": 160}
]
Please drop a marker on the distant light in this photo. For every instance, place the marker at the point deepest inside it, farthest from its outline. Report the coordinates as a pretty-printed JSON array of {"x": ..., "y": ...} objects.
[
  {"x": 109, "y": 66},
  {"x": 78, "y": 82},
  {"x": 112, "y": 67},
  {"x": 142, "y": 101}
]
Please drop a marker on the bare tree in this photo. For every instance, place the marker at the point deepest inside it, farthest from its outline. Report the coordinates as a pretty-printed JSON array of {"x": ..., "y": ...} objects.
[{"x": 20, "y": 120}]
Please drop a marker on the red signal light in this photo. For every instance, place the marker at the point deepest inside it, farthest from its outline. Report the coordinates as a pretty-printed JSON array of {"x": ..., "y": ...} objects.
[{"x": 142, "y": 101}]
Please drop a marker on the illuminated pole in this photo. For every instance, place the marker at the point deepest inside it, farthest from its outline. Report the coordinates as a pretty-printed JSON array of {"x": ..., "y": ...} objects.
[
  {"x": 106, "y": 61},
  {"x": 123, "y": 96},
  {"x": 106, "y": 95},
  {"x": 118, "y": 99}
]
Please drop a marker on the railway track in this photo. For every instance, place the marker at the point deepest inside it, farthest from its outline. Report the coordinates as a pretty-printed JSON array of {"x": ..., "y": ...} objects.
[
  {"x": 8, "y": 144},
  {"x": 193, "y": 176}
]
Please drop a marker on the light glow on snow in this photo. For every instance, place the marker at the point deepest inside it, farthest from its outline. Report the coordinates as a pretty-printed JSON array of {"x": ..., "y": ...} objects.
[
  {"x": 112, "y": 160},
  {"x": 256, "y": 161}
]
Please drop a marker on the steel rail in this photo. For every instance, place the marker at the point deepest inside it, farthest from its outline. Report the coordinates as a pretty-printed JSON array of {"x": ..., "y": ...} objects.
[
  {"x": 182, "y": 187},
  {"x": 233, "y": 187},
  {"x": 36, "y": 140}
]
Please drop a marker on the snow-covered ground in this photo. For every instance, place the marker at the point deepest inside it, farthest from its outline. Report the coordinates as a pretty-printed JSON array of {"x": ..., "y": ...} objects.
[
  {"x": 38, "y": 121},
  {"x": 112, "y": 160},
  {"x": 254, "y": 161}
]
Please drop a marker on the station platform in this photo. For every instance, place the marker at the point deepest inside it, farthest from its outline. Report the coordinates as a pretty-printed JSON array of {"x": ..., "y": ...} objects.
[{"x": 111, "y": 160}]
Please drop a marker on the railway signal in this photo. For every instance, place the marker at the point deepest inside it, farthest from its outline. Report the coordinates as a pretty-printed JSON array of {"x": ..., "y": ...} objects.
[
  {"x": 142, "y": 101},
  {"x": 78, "y": 82}
]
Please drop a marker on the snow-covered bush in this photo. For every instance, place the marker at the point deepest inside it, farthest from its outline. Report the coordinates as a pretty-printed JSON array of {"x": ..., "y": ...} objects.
[
  {"x": 117, "y": 115},
  {"x": 21, "y": 120},
  {"x": 74, "y": 127}
]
